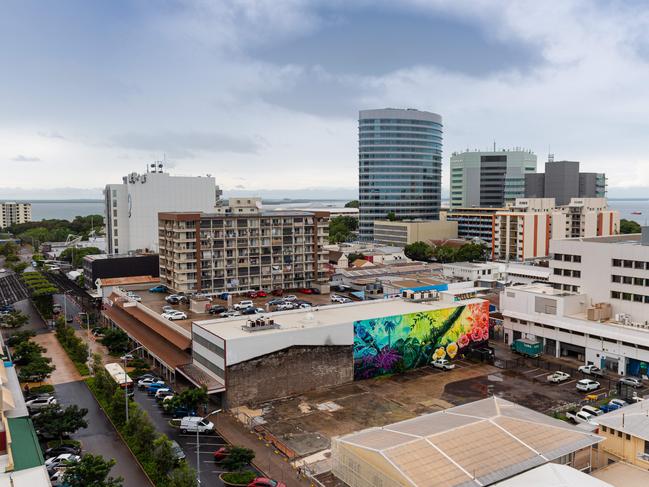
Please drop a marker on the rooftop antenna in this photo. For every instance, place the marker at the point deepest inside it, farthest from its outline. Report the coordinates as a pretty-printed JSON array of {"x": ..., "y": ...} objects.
[
  {"x": 494, "y": 146},
  {"x": 550, "y": 155}
]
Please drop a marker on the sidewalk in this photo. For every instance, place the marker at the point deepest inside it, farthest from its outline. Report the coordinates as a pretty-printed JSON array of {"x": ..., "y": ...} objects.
[
  {"x": 65, "y": 370},
  {"x": 273, "y": 464}
]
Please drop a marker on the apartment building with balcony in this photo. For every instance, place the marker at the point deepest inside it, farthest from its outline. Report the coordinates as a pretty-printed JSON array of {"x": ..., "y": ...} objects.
[
  {"x": 473, "y": 222},
  {"x": 524, "y": 230},
  {"x": 237, "y": 251},
  {"x": 12, "y": 213}
]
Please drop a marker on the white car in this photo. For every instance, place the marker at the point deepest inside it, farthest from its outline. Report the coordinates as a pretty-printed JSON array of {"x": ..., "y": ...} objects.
[
  {"x": 580, "y": 417},
  {"x": 587, "y": 385},
  {"x": 619, "y": 402},
  {"x": 335, "y": 298},
  {"x": 590, "y": 370},
  {"x": 631, "y": 381},
  {"x": 286, "y": 306},
  {"x": 290, "y": 297},
  {"x": 593, "y": 411},
  {"x": 230, "y": 314},
  {"x": 243, "y": 305},
  {"x": 558, "y": 376},
  {"x": 162, "y": 391},
  {"x": 174, "y": 315},
  {"x": 133, "y": 296},
  {"x": 142, "y": 383},
  {"x": 193, "y": 424},
  {"x": 40, "y": 403},
  {"x": 442, "y": 363},
  {"x": 61, "y": 460}
]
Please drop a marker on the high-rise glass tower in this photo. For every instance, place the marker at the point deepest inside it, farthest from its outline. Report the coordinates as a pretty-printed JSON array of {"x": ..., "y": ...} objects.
[{"x": 399, "y": 166}]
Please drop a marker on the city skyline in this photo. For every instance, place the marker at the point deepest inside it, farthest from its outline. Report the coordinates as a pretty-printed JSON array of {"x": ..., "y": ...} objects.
[{"x": 93, "y": 92}]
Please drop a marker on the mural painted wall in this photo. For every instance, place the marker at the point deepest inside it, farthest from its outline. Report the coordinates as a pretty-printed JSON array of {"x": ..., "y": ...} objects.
[{"x": 402, "y": 342}]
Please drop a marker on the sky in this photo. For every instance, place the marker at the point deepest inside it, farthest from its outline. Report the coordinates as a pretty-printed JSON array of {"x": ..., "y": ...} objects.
[{"x": 264, "y": 94}]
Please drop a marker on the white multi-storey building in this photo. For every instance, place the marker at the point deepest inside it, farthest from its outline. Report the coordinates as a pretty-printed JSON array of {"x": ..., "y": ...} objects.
[
  {"x": 524, "y": 230},
  {"x": 12, "y": 213},
  {"x": 576, "y": 325},
  {"x": 131, "y": 208}
]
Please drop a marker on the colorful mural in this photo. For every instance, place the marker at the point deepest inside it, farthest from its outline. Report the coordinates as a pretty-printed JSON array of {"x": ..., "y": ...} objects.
[{"x": 397, "y": 343}]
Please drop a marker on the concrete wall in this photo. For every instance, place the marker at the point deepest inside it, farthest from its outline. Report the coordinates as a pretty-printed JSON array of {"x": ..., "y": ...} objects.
[{"x": 288, "y": 372}]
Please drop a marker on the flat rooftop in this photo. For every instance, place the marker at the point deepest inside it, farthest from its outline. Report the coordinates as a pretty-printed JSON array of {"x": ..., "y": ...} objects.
[
  {"x": 231, "y": 328},
  {"x": 623, "y": 475},
  {"x": 629, "y": 238}
]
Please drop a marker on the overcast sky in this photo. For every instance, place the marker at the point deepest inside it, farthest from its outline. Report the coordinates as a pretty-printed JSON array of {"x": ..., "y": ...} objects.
[{"x": 265, "y": 94}]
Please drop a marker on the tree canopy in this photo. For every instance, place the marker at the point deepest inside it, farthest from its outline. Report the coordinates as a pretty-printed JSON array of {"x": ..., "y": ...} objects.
[
  {"x": 352, "y": 204},
  {"x": 91, "y": 471},
  {"x": 56, "y": 230},
  {"x": 419, "y": 251},
  {"x": 629, "y": 226},
  {"x": 56, "y": 422},
  {"x": 341, "y": 228},
  {"x": 75, "y": 255}
]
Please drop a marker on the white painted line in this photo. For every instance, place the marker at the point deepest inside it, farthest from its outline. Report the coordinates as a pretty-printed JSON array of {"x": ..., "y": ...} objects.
[
  {"x": 569, "y": 382},
  {"x": 529, "y": 371},
  {"x": 541, "y": 374}
]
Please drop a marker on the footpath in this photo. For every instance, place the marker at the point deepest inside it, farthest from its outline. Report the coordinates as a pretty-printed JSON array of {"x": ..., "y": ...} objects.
[{"x": 267, "y": 459}]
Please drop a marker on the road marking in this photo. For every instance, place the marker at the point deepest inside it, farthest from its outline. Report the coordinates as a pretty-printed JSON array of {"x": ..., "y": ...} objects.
[
  {"x": 569, "y": 382},
  {"x": 531, "y": 370},
  {"x": 541, "y": 374}
]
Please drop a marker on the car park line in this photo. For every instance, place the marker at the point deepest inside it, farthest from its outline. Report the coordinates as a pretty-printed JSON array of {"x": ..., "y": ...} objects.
[
  {"x": 568, "y": 382},
  {"x": 545, "y": 372},
  {"x": 531, "y": 370}
]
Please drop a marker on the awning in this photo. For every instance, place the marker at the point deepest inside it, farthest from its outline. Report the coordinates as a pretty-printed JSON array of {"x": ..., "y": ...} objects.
[{"x": 200, "y": 378}]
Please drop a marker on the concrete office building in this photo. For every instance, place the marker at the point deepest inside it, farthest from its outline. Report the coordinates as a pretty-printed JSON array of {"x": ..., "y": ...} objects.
[
  {"x": 105, "y": 266},
  {"x": 474, "y": 222},
  {"x": 612, "y": 269},
  {"x": 131, "y": 208},
  {"x": 524, "y": 230},
  {"x": 563, "y": 181},
  {"x": 12, "y": 213},
  {"x": 242, "y": 247},
  {"x": 575, "y": 325},
  {"x": 406, "y": 232},
  {"x": 489, "y": 178},
  {"x": 399, "y": 166}
]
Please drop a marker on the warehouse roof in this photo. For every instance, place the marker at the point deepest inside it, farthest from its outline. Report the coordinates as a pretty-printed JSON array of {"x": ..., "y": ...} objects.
[
  {"x": 475, "y": 444},
  {"x": 231, "y": 328}
]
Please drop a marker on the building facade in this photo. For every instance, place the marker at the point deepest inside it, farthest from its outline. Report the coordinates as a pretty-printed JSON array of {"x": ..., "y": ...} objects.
[
  {"x": 474, "y": 222},
  {"x": 524, "y": 230},
  {"x": 489, "y": 178},
  {"x": 12, "y": 213},
  {"x": 104, "y": 266},
  {"x": 131, "y": 208},
  {"x": 399, "y": 166},
  {"x": 234, "y": 251},
  {"x": 405, "y": 232},
  {"x": 563, "y": 181}
]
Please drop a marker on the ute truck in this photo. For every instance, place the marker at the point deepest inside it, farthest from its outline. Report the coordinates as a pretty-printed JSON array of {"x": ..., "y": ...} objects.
[{"x": 527, "y": 347}]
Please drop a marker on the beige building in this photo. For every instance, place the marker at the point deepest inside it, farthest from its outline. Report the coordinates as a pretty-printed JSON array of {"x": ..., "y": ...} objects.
[
  {"x": 238, "y": 251},
  {"x": 405, "y": 232},
  {"x": 473, "y": 222},
  {"x": 626, "y": 435},
  {"x": 12, "y": 213},
  {"x": 523, "y": 231}
]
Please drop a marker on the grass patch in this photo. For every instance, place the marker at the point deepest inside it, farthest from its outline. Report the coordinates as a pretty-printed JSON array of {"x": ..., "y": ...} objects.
[
  {"x": 43, "y": 389},
  {"x": 238, "y": 478},
  {"x": 56, "y": 443}
]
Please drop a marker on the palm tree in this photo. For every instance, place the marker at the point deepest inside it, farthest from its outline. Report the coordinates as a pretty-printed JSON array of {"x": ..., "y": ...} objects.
[{"x": 389, "y": 326}]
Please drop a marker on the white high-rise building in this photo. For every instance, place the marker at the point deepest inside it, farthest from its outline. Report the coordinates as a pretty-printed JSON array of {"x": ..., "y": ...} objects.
[
  {"x": 131, "y": 208},
  {"x": 12, "y": 213}
]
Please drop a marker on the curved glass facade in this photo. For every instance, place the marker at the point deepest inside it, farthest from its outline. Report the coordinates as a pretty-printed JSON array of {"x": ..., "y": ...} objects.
[{"x": 399, "y": 166}]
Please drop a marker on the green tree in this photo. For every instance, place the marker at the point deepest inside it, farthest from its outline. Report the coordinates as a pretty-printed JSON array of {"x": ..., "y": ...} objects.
[
  {"x": 163, "y": 456},
  {"x": 341, "y": 228},
  {"x": 20, "y": 337},
  {"x": 629, "y": 226},
  {"x": 117, "y": 407},
  {"x": 238, "y": 459},
  {"x": 37, "y": 370},
  {"x": 140, "y": 431},
  {"x": 91, "y": 471},
  {"x": 190, "y": 398},
  {"x": 27, "y": 351},
  {"x": 470, "y": 252},
  {"x": 418, "y": 251},
  {"x": 392, "y": 216},
  {"x": 445, "y": 253},
  {"x": 182, "y": 476},
  {"x": 18, "y": 267},
  {"x": 75, "y": 255},
  {"x": 104, "y": 384},
  {"x": 58, "y": 422},
  {"x": 116, "y": 340},
  {"x": 352, "y": 256},
  {"x": 8, "y": 248},
  {"x": 352, "y": 204},
  {"x": 14, "y": 320}
]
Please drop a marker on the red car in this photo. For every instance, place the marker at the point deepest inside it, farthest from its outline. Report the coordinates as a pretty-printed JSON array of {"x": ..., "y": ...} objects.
[
  {"x": 221, "y": 453},
  {"x": 261, "y": 294},
  {"x": 306, "y": 290},
  {"x": 264, "y": 482},
  {"x": 253, "y": 294},
  {"x": 278, "y": 292}
]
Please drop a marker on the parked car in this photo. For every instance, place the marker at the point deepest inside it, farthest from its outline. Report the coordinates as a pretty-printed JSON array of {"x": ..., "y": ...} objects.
[
  {"x": 223, "y": 296},
  {"x": 61, "y": 460},
  {"x": 444, "y": 364},
  {"x": 592, "y": 410},
  {"x": 243, "y": 305},
  {"x": 151, "y": 389},
  {"x": 147, "y": 381},
  {"x": 98, "y": 332},
  {"x": 305, "y": 305},
  {"x": 286, "y": 306},
  {"x": 558, "y": 377},
  {"x": 587, "y": 385},
  {"x": 193, "y": 424},
  {"x": 163, "y": 392},
  {"x": 174, "y": 315},
  {"x": 221, "y": 453},
  {"x": 580, "y": 416},
  {"x": 277, "y": 292},
  {"x": 619, "y": 402},
  {"x": 306, "y": 290},
  {"x": 631, "y": 381},
  {"x": 252, "y": 294},
  {"x": 266, "y": 482},
  {"x": 40, "y": 403},
  {"x": 262, "y": 294},
  {"x": 276, "y": 301},
  {"x": 158, "y": 289},
  {"x": 335, "y": 298},
  {"x": 252, "y": 311},
  {"x": 591, "y": 370},
  {"x": 176, "y": 299},
  {"x": 58, "y": 450},
  {"x": 612, "y": 405},
  {"x": 230, "y": 314},
  {"x": 133, "y": 296},
  {"x": 147, "y": 375},
  {"x": 290, "y": 297},
  {"x": 177, "y": 451},
  {"x": 217, "y": 309}
]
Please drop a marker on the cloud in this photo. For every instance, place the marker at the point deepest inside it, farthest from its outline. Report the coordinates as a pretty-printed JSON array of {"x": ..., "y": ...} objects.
[
  {"x": 22, "y": 158},
  {"x": 185, "y": 145},
  {"x": 51, "y": 135}
]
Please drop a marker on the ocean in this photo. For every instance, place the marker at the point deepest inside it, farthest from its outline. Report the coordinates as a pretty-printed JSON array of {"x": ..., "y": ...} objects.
[
  {"x": 626, "y": 207},
  {"x": 65, "y": 209}
]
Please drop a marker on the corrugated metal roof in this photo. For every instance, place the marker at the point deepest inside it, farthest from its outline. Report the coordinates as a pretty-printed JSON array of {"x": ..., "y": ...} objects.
[{"x": 632, "y": 419}]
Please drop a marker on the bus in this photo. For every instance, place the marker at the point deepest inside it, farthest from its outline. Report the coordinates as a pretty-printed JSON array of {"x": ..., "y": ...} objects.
[{"x": 120, "y": 376}]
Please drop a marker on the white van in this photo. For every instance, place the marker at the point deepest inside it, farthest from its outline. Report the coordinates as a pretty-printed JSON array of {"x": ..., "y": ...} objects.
[{"x": 192, "y": 424}]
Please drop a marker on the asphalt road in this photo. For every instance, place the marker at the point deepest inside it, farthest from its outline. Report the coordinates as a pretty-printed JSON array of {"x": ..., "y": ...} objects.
[
  {"x": 73, "y": 309},
  {"x": 100, "y": 438},
  {"x": 209, "y": 471}
]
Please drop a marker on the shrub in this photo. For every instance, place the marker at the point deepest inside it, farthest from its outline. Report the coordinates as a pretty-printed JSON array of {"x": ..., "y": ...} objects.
[{"x": 74, "y": 346}]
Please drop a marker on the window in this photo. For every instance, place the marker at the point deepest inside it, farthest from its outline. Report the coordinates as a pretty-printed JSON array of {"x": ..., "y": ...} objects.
[
  {"x": 615, "y": 278},
  {"x": 558, "y": 256},
  {"x": 637, "y": 298},
  {"x": 567, "y": 258},
  {"x": 628, "y": 437},
  {"x": 576, "y": 258},
  {"x": 646, "y": 447},
  {"x": 638, "y": 281},
  {"x": 628, "y": 263},
  {"x": 627, "y": 280},
  {"x": 576, "y": 273},
  {"x": 604, "y": 429},
  {"x": 617, "y": 263},
  {"x": 557, "y": 272},
  {"x": 638, "y": 264},
  {"x": 619, "y": 434}
]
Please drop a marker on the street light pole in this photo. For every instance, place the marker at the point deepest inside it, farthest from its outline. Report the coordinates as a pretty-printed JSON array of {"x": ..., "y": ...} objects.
[
  {"x": 198, "y": 446},
  {"x": 125, "y": 385}
]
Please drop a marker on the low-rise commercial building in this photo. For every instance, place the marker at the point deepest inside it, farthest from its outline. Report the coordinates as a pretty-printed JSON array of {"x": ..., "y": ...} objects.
[
  {"x": 12, "y": 213},
  {"x": 474, "y": 223},
  {"x": 524, "y": 230},
  {"x": 574, "y": 325},
  {"x": 405, "y": 232},
  {"x": 475, "y": 444},
  {"x": 626, "y": 435},
  {"x": 252, "y": 249},
  {"x": 105, "y": 266}
]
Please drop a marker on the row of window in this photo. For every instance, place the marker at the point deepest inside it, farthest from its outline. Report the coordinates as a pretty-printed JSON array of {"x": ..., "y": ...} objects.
[
  {"x": 566, "y": 272},
  {"x": 627, "y": 436},
  {"x": 399, "y": 121},
  {"x": 630, "y": 264},
  {"x": 635, "y": 281},
  {"x": 567, "y": 257},
  {"x": 636, "y": 298}
]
